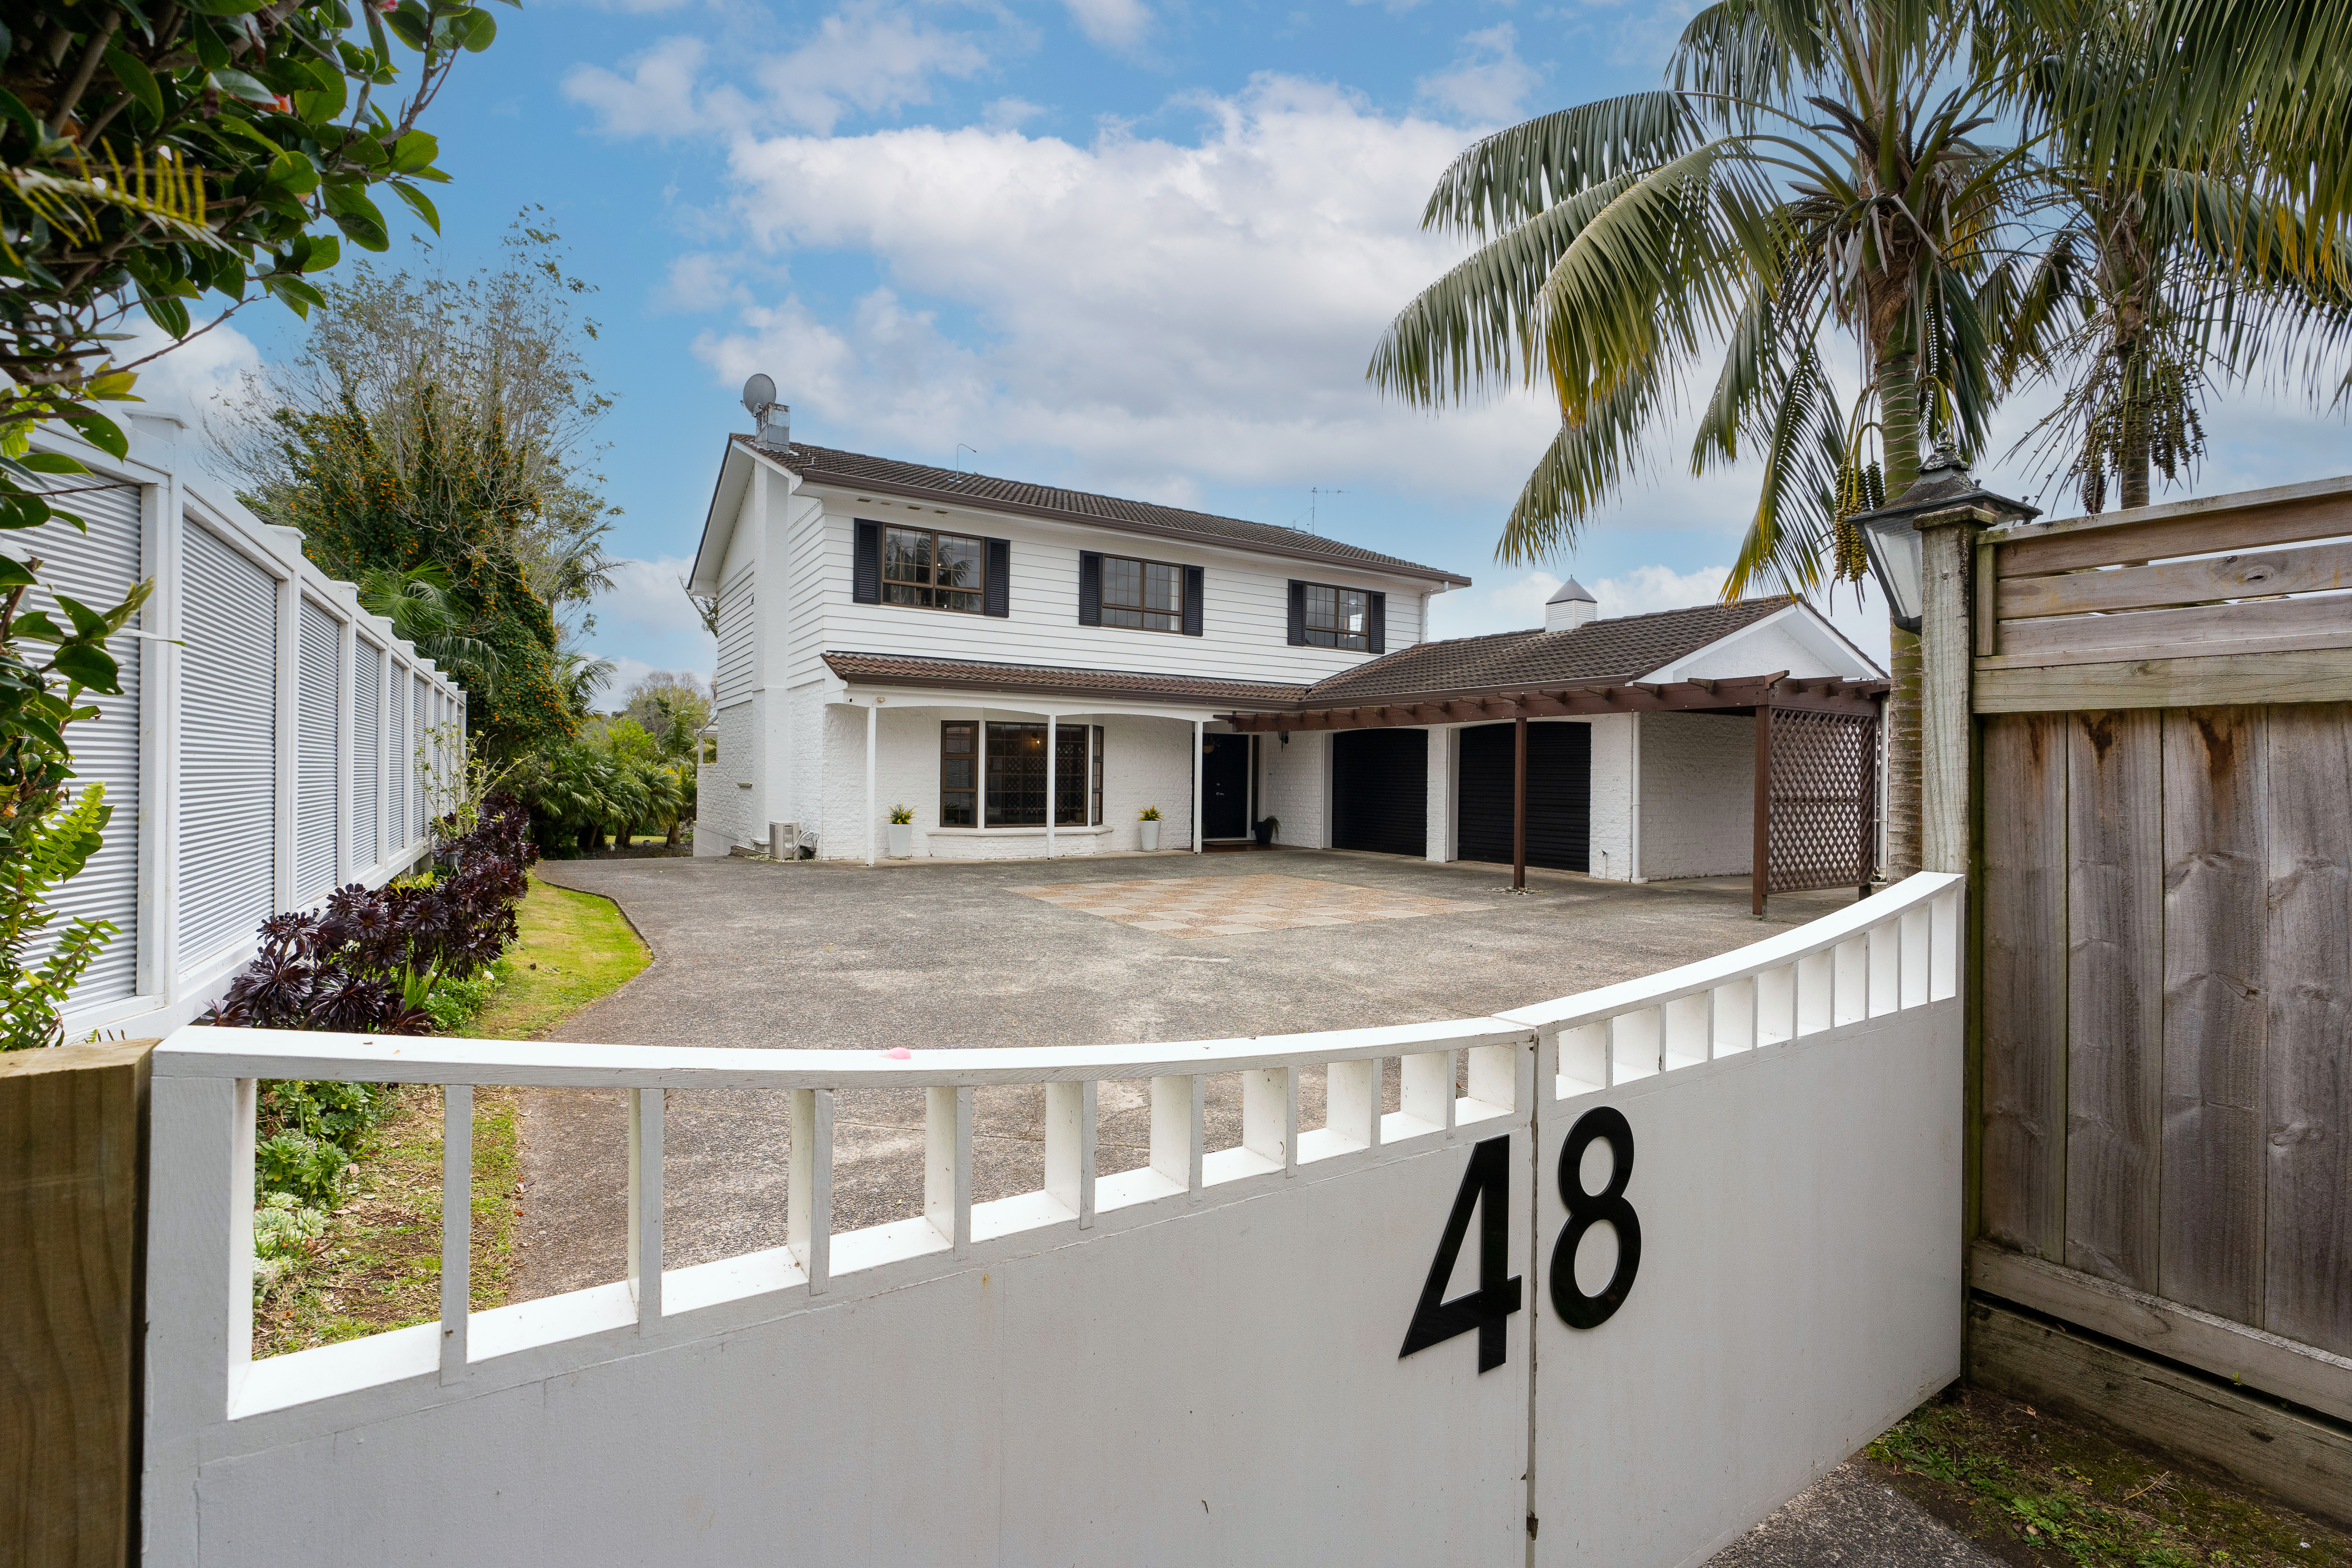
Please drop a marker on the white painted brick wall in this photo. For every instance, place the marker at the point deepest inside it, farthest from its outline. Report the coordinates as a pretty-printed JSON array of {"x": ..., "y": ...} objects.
[
  {"x": 1291, "y": 787},
  {"x": 1698, "y": 795},
  {"x": 1146, "y": 761},
  {"x": 1613, "y": 796},
  {"x": 722, "y": 813}
]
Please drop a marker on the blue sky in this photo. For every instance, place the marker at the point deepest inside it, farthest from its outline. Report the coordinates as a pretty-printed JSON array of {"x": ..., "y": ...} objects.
[{"x": 1136, "y": 246}]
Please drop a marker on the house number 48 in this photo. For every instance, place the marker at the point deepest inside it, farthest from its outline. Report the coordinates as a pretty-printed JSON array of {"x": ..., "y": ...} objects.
[{"x": 1486, "y": 1190}]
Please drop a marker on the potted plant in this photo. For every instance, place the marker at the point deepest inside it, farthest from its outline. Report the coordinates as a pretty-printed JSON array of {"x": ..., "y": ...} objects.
[
  {"x": 1266, "y": 830},
  {"x": 1151, "y": 827},
  {"x": 902, "y": 832}
]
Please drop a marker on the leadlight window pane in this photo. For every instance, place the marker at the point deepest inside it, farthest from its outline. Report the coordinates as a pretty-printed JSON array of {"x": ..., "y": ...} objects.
[
  {"x": 959, "y": 772},
  {"x": 1094, "y": 816},
  {"x": 1016, "y": 775},
  {"x": 1145, "y": 595},
  {"x": 1070, "y": 777}
]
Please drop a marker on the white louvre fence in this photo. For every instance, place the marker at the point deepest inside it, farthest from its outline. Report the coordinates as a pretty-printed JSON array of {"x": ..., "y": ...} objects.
[
  {"x": 246, "y": 760},
  {"x": 1619, "y": 1274}
]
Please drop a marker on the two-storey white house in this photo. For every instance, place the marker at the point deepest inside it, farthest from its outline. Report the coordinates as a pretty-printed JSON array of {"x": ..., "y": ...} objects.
[{"x": 895, "y": 635}]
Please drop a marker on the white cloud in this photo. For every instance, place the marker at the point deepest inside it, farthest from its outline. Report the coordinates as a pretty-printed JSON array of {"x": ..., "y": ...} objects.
[
  {"x": 1010, "y": 113},
  {"x": 657, "y": 98},
  {"x": 1152, "y": 312},
  {"x": 1648, "y": 589},
  {"x": 189, "y": 378},
  {"x": 700, "y": 281},
  {"x": 1393, "y": 7},
  {"x": 1487, "y": 81},
  {"x": 1115, "y": 25},
  {"x": 869, "y": 54},
  {"x": 645, "y": 598}
]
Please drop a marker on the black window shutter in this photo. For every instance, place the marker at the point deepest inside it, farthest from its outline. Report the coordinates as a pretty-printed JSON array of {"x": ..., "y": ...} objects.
[
  {"x": 1193, "y": 577},
  {"x": 866, "y": 564},
  {"x": 1089, "y": 587},
  {"x": 1376, "y": 621},
  {"x": 996, "y": 598},
  {"x": 1298, "y": 613}
]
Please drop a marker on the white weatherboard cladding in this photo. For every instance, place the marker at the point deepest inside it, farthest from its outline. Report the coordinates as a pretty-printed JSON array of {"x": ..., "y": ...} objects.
[
  {"x": 228, "y": 745},
  {"x": 737, "y": 673},
  {"x": 319, "y": 753},
  {"x": 98, "y": 569},
  {"x": 1244, "y": 602},
  {"x": 367, "y": 706}
]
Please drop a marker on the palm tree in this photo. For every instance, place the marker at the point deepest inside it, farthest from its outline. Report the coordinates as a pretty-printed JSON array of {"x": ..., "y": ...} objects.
[
  {"x": 1811, "y": 174},
  {"x": 423, "y": 610},
  {"x": 2167, "y": 261}
]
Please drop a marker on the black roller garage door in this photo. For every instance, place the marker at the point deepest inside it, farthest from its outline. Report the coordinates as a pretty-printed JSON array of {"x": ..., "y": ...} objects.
[
  {"x": 1379, "y": 791},
  {"x": 1560, "y": 796}
]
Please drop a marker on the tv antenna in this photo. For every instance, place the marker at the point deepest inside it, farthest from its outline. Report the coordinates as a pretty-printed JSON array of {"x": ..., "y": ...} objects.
[
  {"x": 960, "y": 450},
  {"x": 1315, "y": 494}
]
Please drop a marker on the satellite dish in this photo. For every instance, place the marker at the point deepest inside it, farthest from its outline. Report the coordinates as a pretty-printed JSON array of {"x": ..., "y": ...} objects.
[{"x": 759, "y": 394}]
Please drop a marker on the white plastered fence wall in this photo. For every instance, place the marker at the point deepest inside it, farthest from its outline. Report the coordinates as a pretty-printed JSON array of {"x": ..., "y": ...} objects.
[
  {"x": 265, "y": 750},
  {"x": 1198, "y": 1361}
]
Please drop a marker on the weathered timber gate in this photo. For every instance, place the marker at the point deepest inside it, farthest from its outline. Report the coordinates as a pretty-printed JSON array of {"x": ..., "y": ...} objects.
[{"x": 2164, "y": 842}]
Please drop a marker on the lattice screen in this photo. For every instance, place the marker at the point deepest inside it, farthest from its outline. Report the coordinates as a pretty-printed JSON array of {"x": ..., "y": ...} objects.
[{"x": 1823, "y": 829}]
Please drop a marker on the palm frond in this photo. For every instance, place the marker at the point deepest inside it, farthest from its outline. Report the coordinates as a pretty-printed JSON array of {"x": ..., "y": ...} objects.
[
  {"x": 1514, "y": 175},
  {"x": 1582, "y": 466}
]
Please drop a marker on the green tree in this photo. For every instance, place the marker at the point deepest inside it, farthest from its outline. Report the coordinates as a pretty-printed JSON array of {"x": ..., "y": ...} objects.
[
  {"x": 2168, "y": 263},
  {"x": 1814, "y": 172}
]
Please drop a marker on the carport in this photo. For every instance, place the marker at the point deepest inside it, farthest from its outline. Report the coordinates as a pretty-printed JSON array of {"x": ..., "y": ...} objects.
[{"x": 1816, "y": 777}]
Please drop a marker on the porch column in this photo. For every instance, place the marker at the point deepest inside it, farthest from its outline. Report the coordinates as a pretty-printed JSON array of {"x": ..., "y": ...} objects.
[
  {"x": 1052, "y": 779},
  {"x": 1200, "y": 730},
  {"x": 872, "y": 729},
  {"x": 1519, "y": 804}
]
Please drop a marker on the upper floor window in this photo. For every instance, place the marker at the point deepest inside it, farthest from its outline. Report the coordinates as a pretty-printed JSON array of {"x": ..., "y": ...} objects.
[
  {"x": 1338, "y": 618},
  {"x": 1149, "y": 595},
  {"x": 937, "y": 571}
]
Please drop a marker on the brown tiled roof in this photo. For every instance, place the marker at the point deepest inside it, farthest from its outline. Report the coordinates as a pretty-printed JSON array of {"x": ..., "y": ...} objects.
[
  {"x": 1623, "y": 649},
  {"x": 855, "y": 470},
  {"x": 901, "y": 669}
]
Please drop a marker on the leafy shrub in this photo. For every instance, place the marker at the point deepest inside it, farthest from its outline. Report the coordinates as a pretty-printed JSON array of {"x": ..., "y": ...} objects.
[
  {"x": 453, "y": 1004},
  {"x": 308, "y": 1170},
  {"x": 283, "y": 1231},
  {"x": 369, "y": 962}
]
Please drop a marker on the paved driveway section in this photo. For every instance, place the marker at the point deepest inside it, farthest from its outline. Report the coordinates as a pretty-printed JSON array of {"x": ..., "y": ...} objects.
[{"x": 828, "y": 957}]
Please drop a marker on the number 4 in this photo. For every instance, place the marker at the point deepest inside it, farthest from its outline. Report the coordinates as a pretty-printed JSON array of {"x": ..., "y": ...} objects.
[{"x": 1486, "y": 1187}]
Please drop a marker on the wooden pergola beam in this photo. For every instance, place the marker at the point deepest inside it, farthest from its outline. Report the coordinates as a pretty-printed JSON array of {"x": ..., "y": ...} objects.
[{"x": 1714, "y": 696}]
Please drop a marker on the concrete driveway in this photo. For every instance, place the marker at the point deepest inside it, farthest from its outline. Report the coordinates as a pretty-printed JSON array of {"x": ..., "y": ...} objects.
[{"x": 922, "y": 955}]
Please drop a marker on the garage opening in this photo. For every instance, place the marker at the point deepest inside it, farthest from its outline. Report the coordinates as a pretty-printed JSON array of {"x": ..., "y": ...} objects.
[
  {"x": 1560, "y": 796},
  {"x": 1379, "y": 791}
]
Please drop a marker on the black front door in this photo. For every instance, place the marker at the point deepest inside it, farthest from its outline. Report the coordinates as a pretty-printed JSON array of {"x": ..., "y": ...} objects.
[{"x": 1225, "y": 786}]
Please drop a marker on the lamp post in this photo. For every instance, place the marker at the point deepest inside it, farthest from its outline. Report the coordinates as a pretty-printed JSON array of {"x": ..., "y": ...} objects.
[{"x": 1922, "y": 549}]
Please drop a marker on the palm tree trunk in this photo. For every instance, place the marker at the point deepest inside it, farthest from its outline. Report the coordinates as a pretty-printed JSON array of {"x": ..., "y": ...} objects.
[
  {"x": 2134, "y": 467},
  {"x": 1899, "y": 403}
]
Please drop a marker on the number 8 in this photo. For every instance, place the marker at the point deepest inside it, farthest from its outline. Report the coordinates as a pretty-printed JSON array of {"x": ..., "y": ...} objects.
[{"x": 1585, "y": 1210}]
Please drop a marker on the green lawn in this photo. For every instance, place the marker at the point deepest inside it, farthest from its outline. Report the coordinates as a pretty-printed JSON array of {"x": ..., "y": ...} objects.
[{"x": 378, "y": 1266}]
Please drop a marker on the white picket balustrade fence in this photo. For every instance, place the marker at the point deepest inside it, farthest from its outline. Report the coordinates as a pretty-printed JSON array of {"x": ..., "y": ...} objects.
[{"x": 1462, "y": 1081}]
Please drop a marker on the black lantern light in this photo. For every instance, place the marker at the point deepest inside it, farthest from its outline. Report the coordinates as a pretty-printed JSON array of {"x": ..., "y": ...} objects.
[{"x": 1943, "y": 494}]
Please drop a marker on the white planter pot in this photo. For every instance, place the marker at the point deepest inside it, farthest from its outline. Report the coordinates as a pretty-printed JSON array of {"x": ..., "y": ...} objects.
[
  {"x": 1151, "y": 834},
  {"x": 902, "y": 840}
]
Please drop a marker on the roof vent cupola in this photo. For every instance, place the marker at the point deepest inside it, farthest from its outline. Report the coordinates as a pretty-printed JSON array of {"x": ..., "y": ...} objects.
[
  {"x": 1569, "y": 608},
  {"x": 775, "y": 419}
]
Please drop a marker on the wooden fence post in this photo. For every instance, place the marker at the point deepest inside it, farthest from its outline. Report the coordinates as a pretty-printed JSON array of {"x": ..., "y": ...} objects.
[
  {"x": 1947, "y": 727},
  {"x": 73, "y": 1185}
]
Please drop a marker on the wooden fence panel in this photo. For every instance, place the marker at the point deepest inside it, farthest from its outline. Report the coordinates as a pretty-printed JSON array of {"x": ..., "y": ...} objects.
[
  {"x": 2308, "y": 985},
  {"x": 2115, "y": 994},
  {"x": 2024, "y": 1029},
  {"x": 2214, "y": 916}
]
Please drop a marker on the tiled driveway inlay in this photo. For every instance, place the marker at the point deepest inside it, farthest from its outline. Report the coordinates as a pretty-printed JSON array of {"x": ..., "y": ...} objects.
[{"x": 1241, "y": 906}]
